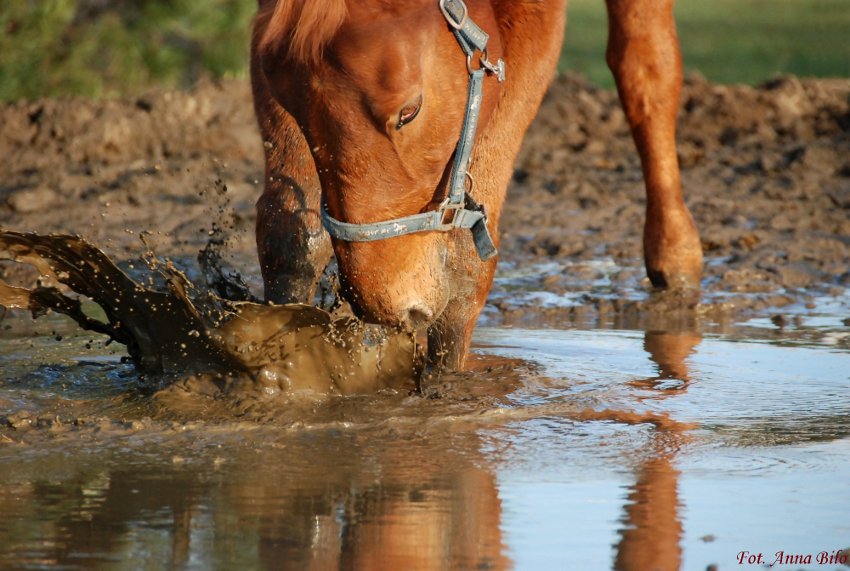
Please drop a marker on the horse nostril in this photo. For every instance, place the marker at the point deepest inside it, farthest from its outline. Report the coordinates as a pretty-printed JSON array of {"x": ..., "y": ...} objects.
[{"x": 418, "y": 317}]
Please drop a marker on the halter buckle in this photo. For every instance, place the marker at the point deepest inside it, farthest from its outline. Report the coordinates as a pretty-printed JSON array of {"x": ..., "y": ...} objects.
[
  {"x": 497, "y": 69},
  {"x": 449, "y": 214}
]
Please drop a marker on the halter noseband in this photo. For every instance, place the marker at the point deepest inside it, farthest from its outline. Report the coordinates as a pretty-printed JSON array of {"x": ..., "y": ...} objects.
[{"x": 458, "y": 210}]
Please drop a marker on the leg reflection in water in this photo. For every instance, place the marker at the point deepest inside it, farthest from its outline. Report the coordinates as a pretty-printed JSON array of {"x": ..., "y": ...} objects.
[
  {"x": 669, "y": 351},
  {"x": 652, "y": 529},
  {"x": 649, "y": 540}
]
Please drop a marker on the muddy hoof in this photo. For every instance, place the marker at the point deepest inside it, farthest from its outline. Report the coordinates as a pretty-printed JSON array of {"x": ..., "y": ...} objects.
[{"x": 674, "y": 280}]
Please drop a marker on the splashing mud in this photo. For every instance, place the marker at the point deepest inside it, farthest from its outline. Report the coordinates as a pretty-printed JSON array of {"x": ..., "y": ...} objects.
[
  {"x": 194, "y": 343},
  {"x": 183, "y": 331}
]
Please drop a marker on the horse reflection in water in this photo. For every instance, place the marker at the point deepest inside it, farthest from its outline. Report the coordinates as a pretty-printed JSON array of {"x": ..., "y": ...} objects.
[
  {"x": 442, "y": 521},
  {"x": 395, "y": 499},
  {"x": 288, "y": 508}
]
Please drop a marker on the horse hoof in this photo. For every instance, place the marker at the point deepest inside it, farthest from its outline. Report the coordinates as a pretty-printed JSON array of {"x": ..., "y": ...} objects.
[{"x": 675, "y": 280}]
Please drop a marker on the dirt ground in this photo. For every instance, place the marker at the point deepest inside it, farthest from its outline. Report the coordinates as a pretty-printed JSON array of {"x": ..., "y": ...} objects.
[{"x": 766, "y": 173}]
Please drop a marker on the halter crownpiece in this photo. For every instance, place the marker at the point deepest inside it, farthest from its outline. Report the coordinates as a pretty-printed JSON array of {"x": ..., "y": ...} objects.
[{"x": 458, "y": 210}]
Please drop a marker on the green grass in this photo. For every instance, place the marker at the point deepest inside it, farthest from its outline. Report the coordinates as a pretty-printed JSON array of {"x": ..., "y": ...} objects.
[
  {"x": 104, "y": 48},
  {"x": 730, "y": 41}
]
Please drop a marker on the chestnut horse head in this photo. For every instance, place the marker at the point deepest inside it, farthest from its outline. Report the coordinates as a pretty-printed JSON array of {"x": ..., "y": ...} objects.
[
  {"x": 379, "y": 90},
  {"x": 376, "y": 96}
]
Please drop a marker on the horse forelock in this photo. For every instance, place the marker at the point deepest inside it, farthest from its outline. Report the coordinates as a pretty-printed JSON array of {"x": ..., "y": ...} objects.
[{"x": 304, "y": 27}]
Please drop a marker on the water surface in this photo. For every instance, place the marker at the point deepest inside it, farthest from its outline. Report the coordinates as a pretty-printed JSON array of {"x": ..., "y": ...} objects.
[{"x": 554, "y": 452}]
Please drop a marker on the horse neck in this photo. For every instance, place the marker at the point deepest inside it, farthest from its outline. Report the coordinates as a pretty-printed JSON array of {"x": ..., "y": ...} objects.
[{"x": 531, "y": 35}]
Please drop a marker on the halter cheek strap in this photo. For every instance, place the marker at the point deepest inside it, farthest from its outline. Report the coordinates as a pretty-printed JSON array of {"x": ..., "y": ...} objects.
[{"x": 458, "y": 210}]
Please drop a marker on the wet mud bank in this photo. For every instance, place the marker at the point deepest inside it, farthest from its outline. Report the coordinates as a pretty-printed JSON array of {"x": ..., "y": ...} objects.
[
  {"x": 765, "y": 170},
  {"x": 766, "y": 173}
]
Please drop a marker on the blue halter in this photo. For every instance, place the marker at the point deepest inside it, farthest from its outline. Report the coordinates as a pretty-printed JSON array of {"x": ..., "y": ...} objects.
[{"x": 458, "y": 210}]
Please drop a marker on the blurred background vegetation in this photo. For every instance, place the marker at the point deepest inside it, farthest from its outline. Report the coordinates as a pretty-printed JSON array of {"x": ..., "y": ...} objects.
[
  {"x": 730, "y": 41},
  {"x": 105, "y": 48}
]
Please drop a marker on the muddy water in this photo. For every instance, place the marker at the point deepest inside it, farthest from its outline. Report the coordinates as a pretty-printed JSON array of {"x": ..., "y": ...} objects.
[{"x": 563, "y": 447}]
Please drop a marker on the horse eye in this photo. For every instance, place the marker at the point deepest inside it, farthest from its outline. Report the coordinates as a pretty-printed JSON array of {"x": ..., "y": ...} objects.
[{"x": 408, "y": 113}]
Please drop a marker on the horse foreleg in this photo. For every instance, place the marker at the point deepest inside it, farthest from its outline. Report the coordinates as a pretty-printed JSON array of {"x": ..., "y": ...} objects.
[
  {"x": 450, "y": 337},
  {"x": 293, "y": 246},
  {"x": 643, "y": 54}
]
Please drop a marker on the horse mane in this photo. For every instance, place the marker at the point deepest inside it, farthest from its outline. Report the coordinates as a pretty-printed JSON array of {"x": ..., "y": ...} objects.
[{"x": 306, "y": 26}]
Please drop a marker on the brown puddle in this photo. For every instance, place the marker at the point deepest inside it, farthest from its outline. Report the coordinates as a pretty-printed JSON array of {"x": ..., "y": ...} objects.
[
  {"x": 191, "y": 344},
  {"x": 186, "y": 333}
]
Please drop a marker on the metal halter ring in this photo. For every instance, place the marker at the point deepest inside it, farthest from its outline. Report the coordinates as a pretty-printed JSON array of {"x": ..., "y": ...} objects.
[
  {"x": 452, "y": 208},
  {"x": 457, "y": 25},
  {"x": 497, "y": 69}
]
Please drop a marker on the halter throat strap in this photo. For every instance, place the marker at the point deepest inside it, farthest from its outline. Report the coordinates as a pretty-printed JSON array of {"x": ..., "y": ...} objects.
[{"x": 458, "y": 210}]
